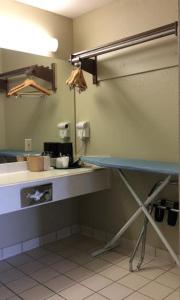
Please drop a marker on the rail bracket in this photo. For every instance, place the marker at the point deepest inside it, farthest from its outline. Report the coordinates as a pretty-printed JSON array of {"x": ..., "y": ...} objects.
[
  {"x": 3, "y": 85},
  {"x": 90, "y": 65}
]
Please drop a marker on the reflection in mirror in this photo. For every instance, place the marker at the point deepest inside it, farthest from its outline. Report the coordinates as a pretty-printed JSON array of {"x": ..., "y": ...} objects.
[{"x": 33, "y": 117}]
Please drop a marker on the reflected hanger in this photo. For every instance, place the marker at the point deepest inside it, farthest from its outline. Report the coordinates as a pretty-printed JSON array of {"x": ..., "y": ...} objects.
[{"x": 26, "y": 83}]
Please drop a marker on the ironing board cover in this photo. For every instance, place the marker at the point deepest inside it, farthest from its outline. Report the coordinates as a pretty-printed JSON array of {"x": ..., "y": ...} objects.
[{"x": 133, "y": 164}]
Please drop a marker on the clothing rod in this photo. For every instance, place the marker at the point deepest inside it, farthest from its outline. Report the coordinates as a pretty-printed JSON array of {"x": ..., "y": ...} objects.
[
  {"x": 30, "y": 94},
  {"x": 136, "y": 36},
  {"x": 137, "y": 73},
  {"x": 137, "y": 39}
]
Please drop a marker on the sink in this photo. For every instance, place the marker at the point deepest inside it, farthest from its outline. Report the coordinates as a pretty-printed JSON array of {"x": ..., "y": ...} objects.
[{"x": 13, "y": 167}]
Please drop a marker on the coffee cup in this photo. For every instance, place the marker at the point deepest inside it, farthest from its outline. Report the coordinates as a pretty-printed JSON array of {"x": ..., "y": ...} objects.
[
  {"x": 35, "y": 163},
  {"x": 62, "y": 162}
]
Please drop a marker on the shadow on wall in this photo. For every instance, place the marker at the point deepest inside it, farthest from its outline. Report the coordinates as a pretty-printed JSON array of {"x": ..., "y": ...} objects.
[
  {"x": 108, "y": 211},
  {"x": 141, "y": 58},
  {"x": 37, "y": 221}
]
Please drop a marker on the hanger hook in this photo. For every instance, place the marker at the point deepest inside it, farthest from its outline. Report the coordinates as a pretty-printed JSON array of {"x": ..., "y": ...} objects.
[{"x": 78, "y": 64}]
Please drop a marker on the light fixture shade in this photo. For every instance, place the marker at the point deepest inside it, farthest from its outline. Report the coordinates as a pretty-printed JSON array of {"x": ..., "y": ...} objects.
[{"x": 26, "y": 37}]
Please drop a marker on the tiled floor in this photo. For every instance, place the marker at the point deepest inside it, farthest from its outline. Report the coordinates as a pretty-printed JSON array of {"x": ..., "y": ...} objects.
[{"x": 66, "y": 270}]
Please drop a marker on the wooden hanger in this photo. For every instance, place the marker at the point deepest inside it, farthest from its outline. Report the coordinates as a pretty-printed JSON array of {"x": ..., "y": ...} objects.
[
  {"x": 77, "y": 80},
  {"x": 26, "y": 83}
]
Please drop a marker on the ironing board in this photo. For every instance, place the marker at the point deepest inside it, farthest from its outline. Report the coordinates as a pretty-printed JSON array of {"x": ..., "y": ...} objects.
[{"x": 119, "y": 164}]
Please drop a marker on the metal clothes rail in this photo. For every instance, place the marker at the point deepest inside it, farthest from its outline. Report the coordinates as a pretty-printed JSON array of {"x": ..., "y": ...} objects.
[{"x": 88, "y": 58}]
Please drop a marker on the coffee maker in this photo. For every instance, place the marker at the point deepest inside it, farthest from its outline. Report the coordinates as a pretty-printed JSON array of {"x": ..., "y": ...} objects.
[{"x": 59, "y": 149}]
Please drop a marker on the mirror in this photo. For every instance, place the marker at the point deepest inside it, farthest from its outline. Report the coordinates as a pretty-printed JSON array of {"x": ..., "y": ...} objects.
[{"x": 34, "y": 117}]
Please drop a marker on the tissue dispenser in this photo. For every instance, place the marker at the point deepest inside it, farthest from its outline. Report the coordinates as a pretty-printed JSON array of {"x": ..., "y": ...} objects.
[{"x": 56, "y": 148}]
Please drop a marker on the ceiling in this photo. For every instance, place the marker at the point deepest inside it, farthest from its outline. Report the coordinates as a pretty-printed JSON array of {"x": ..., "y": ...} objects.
[{"x": 68, "y": 8}]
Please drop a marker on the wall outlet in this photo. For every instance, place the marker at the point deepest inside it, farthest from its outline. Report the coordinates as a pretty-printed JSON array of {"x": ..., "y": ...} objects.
[{"x": 28, "y": 144}]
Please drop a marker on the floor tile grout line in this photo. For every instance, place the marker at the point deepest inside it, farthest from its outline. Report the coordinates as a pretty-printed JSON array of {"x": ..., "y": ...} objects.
[
  {"x": 137, "y": 290},
  {"x": 95, "y": 294},
  {"x": 43, "y": 284},
  {"x": 135, "y": 293},
  {"x": 59, "y": 273},
  {"x": 79, "y": 265},
  {"x": 153, "y": 278},
  {"x": 154, "y": 298},
  {"x": 69, "y": 258},
  {"x": 173, "y": 264},
  {"x": 89, "y": 287},
  {"x": 99, "y": 289},
  {"x": 150, "y": 280},
  {"x": 20, "y": 265},
  {"x": 116, "y": 281},
  {"x": 170, "y": 294},
  {"x": 132, "y": 288},
  {"x": 101, "y": 275},
  {"x": 15, "y": 294},
  {"x": 165, "y": 284},
  {"x": 40, "y": 283},
  {"x": 56, "y": 294},
  {"x": 80, "y": 282},
  {"x": 146, "y": 295}
]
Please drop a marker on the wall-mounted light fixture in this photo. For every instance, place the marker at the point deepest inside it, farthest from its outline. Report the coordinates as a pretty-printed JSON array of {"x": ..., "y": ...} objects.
[{"x": 23, "y": 36}]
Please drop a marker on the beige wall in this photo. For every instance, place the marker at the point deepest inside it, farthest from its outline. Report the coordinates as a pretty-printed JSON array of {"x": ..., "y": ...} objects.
[
  {"x": 2, "y": 113},
  {"x": 121, "y": 18},
  {"x": 56, "y": 26},
  {"x": 134, "y": 116}
]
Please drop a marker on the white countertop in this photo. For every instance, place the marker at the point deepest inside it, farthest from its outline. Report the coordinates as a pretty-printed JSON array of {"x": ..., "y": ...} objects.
[
  {"x": 27, "y": 176},
  {"x": 66, "y": 183}
]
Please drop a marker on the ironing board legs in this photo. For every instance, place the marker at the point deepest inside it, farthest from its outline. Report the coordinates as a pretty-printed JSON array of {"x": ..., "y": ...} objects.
[
  {"x": 141, "y": 240},
  {"x": 142, "y": 208},
  {"x": 158, "y": 231},
  {"x": 112, "y": 243}
]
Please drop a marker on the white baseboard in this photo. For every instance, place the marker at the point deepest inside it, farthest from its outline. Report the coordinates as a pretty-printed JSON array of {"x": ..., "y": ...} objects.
[
  {"x": 124, "y": 244},
  {"x": 28, "y": 245}
]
